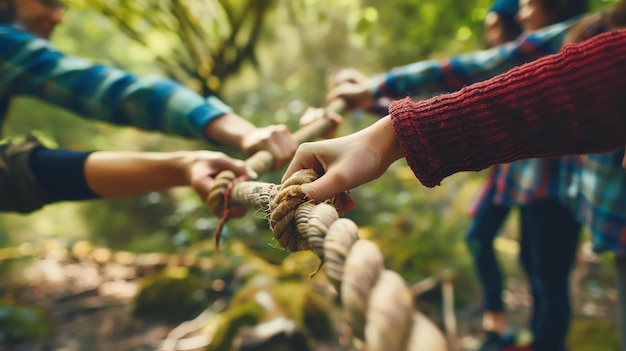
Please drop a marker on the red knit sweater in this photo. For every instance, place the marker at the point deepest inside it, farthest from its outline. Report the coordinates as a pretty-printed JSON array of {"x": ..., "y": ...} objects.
[{"x": 573, "y": 102}]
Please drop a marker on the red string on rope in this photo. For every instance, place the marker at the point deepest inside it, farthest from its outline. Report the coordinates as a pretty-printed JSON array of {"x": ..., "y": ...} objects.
[{"x": 226, "y": 213}]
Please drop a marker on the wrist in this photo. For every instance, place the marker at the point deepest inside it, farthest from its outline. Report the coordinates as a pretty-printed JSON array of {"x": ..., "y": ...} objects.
[
  {"x": 229, "y": 129},
  {"x": 180, "y": 165},
  {"x": 385, "y": 137}
]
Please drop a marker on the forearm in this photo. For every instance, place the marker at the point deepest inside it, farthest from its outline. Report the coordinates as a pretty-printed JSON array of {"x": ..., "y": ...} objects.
[
  {"x": 568, "y": 103},
  {"x": 123, "y": 174},
  {"x": 229, "y": 129}
]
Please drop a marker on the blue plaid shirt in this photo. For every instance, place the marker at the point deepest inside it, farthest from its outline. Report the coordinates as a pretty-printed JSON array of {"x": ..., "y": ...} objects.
[
  {"x": 30, "y": 66},
  {"x": 597, "y": 193}
]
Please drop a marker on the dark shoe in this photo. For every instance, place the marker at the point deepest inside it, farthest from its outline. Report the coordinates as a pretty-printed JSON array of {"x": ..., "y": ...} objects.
[{"x": 497, "y": 342}]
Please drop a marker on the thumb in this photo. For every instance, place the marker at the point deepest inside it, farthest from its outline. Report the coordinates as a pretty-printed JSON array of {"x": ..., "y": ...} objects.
[
  {"x": 239, "y": 167},
  {"x": 318, "y": 192},
  {"x": 203, "y": 187},
  {"x": 320, "y": 189}
]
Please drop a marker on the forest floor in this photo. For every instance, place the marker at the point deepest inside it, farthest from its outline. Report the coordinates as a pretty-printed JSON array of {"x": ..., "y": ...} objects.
[{"x": 92, "y": 309}]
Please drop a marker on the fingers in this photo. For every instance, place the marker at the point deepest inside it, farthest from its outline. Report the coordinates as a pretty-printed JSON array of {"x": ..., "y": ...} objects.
[
  {"x": 276, "y": 139},
  {"x": 282, "y": 146},
  {"x": 202, "y": 186},
  {"x": 204, "y": 165},
  {"x": 304, "y": 158},
  {"x": 321, "y": 157},
  {"x": 313, "y": 114},
  {"x": 237, "y": 211},
  {"x": 355, "y": 95},
  {"x": 310, "y": 115},
  {"x": 339, "y": 92},
  {"x": 347, "y": 75},
  {"x": 348, "y": 84},
  {"x": 327, "y": 186},
  {"x": 227, "y": 163}
]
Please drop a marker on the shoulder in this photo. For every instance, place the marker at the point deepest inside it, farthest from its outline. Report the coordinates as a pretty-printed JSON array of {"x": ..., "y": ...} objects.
[{"x": 12, "y": 39}]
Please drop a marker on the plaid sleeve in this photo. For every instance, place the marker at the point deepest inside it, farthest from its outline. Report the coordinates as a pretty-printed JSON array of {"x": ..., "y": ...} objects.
[
  {"x": 31, "y": 66},
  {"x": 426, "y": 78}
]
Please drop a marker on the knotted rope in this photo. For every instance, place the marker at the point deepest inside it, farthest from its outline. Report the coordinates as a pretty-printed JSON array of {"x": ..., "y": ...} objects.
[
  {"x": 378, "y": 302},
  {"x": 261, "y": 162}
]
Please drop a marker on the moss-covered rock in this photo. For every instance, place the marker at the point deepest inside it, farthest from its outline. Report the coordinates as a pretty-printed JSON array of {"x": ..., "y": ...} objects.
[
  {"x": 174, "y": 294},
  {"x": 308, "y": 308},
  {"x": 231, "y": 321}
]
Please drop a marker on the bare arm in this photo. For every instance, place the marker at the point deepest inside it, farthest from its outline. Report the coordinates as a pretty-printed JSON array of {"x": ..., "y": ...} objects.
[{"x": 122, "y": 174}]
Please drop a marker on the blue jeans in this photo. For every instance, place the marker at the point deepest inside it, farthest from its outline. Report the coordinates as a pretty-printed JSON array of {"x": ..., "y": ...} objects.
[
  {"x": 548, "y": 246},
  {"x": 482, "y": 231}
]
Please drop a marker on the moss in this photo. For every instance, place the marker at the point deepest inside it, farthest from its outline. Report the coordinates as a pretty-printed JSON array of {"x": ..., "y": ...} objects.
[
  {"x": 172, "y": 295},
  {"x": 588, "y": 334},
  {"x": 232, "y": 320},
  {"x": 309, "y": 309}
]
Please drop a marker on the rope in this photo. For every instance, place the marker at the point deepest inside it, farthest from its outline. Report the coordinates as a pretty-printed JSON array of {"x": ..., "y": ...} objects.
[
  {"x": 378, "y": 302},
  {"x": 220, "y": 201}
]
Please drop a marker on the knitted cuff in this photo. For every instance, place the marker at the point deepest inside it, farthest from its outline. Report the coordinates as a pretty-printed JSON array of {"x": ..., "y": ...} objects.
[{"x": 404, "y": 119}]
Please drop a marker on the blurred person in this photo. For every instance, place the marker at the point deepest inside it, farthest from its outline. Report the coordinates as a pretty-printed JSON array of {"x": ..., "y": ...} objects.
[
  {"x": 546, "y": 224},
  {"x": 500, "y": 24},
  {"x": 598, "y": 189},
  {"x": 32, "y": 67}
]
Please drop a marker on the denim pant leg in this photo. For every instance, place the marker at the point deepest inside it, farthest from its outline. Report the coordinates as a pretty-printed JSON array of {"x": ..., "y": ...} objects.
[
  {"x": 550, "y": 236},
  {"x": 483, "y": 229}
]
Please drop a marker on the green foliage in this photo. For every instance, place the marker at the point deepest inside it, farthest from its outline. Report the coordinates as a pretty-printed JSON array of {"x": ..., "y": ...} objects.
[{"x": 198, "y": 43}]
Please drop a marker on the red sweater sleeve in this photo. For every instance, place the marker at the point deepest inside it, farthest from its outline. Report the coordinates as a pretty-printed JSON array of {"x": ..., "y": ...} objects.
[{"x": 573, "y": 102}]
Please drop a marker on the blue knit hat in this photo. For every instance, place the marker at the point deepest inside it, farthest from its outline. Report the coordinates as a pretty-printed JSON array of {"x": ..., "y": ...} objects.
[{"x": 506, "y": 8}]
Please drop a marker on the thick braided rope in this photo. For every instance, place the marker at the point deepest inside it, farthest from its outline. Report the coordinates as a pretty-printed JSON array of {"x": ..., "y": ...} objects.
[{"x": 378, "y": 303}]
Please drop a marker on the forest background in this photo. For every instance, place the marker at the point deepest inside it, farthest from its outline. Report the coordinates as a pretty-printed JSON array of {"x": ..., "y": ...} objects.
[{"x": 269, "y": 60}]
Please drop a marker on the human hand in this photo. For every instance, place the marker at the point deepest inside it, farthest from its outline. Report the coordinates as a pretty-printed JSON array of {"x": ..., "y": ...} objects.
[
  {"x": 347, "y": 162},
  {"x": 276, "y": 139},
  {"x": 352, "y": 86},
  {"x": 201, "y": 167},
  {"x": 313, "y": 114},
  {"x": 232, "y": 130}
]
